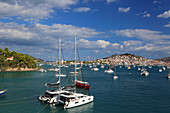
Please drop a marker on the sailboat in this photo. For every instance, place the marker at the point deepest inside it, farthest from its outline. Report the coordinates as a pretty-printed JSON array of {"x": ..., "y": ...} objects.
[
  {"x": 3, "y": 91},
  {"x": 80, "y": 81},
  {"x": 52, "y": 95},
  {"x": 73, "y": 99},
  {"x": 168, "y": 76},
  {"x": 115, "y": 76},
  {"x": 110, "y": 70},
  {"x": 144, "y": 72}
]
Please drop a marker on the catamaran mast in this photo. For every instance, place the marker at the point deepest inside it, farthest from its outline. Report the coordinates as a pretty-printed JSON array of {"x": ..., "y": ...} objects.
[
  {"x": 75, "y": 66},
  {"x": 59, "y": 60}
]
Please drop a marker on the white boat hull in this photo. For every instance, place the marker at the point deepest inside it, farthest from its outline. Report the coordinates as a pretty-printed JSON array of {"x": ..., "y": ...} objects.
[
  {"x": 115, "y": 77},
  {"x": 109, "y": 71},
  {"x": 168, "y": 77},
  {"x": 95, "y": 69},
  {"x": 145, "y": 73},
  {"x": 160, "y": 70},
  {"x": 79, "y": 102}
]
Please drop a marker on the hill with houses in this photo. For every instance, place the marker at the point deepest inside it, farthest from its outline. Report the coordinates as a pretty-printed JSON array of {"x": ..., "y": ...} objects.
[
  {"x": 130, "y": 59},
  {"x": 16, "y": 61}
]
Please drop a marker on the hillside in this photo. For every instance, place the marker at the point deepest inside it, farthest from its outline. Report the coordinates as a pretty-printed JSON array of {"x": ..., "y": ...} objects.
[
  {"x": 129, "y": 59},
  {"x": 126, "y": 54},
  {"x": 165, "y": 59},
  {"x": 11, "y": 60}
]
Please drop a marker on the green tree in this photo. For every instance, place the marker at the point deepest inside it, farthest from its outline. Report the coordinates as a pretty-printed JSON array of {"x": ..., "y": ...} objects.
[{"x": 7, "y": 53}]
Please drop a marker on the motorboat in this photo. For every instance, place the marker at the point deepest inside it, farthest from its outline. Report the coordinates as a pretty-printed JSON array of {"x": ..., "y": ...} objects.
[
  {"x": 139, "y": 68},
  {"x": 42, "y": 70},
  {"x": 109, "y": 71},
  {"x": 145, "y": 73},
  {"x": 102, "y": 66},
  {"x": 160, "y": 70},
  {"x": 115, "y": 77},
  {"x": 54, "y": 69},
  {"x": 95, "y": 69}
]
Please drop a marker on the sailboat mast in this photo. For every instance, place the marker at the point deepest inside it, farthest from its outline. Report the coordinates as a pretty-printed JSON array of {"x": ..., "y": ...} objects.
[
  {"x": 59, "y": 60},
  {"x": 75, "y": 66}
]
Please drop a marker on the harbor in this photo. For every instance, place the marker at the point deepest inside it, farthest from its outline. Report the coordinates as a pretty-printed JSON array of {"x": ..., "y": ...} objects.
[
  {"x": 84, "y": 56},
  {"x": 129, "y": 91}
]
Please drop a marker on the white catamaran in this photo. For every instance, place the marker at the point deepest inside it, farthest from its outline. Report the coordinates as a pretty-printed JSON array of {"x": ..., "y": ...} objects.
[
  {"x": 73, "y": 99},
  {"x": 51, "y": 96}
]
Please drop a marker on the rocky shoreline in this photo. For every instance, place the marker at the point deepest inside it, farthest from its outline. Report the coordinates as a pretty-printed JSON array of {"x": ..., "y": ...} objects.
[{"x": 21, "y": 69}]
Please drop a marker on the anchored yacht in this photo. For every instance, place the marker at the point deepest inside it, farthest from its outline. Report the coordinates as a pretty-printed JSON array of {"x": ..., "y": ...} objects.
[{"x": 71, "y": 100}]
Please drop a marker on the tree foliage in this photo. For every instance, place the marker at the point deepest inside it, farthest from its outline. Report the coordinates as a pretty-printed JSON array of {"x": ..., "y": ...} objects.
[{"x": 19, "y": 60}]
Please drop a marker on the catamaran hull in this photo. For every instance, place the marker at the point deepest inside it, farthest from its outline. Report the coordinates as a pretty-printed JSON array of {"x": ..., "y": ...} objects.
[{"x": 78, "y": 102}]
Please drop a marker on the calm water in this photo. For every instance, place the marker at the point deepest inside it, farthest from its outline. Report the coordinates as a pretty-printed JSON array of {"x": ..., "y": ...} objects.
[{"x": 130, "y": 93}]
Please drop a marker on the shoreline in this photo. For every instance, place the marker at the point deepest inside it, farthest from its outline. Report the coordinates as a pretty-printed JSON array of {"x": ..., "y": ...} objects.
[{"x": 20, "y": 70}]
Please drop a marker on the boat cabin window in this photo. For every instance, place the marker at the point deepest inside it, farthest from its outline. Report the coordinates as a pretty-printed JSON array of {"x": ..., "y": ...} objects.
[
  {"x": 71, "y": 98},
  {"x": 48, "y": 95}
]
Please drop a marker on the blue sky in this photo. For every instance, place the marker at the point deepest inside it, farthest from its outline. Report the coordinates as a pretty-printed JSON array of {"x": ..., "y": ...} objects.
[{"x": 102, "y": 27}]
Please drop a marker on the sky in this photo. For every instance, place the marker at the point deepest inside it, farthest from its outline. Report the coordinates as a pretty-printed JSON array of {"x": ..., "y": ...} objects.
[{"x": 102, "y": 27}]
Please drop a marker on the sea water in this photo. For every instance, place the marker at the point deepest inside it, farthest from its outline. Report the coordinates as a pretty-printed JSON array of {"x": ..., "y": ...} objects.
[{"x": 130, "y": 93}]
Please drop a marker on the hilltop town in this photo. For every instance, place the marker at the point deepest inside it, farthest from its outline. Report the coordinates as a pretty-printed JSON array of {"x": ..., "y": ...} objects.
[{"x": 129, "y": 59}]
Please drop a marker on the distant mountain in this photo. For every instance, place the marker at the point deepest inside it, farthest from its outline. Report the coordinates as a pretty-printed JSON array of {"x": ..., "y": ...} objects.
[{"x": 165, "y": 59}]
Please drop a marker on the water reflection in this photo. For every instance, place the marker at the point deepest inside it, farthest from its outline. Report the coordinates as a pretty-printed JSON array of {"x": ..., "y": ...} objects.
[
  {"x": 18, "y": 74},
  {"x": 80, "y": 109},
  {"x": 84, "y": 108}
]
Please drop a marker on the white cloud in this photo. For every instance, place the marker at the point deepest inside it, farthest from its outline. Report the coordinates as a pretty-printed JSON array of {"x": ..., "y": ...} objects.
[
  {"x": 143, "y": 34},
  {"x": 101, "y": 47},
  {"x": 144, "y": 14},
  {"x": 155, "y": 2},
  {"x": 83, "y": 43},
  {"x": 42, "y": 35},
  {"x": 166, "y": 14},
  {"x": 125, "y": 10},
  {"x": 35, "y": 9},
  {"x": 110, "y": 1},
  {"x": 153, "y": 49},
  {"x": 132, "y": 43},
  {"x": 82, "y": 9},
  {"x": 168, "y": 25},
  {"x": 96, "y": 51},
  {"x": 115, "y": 45}
]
